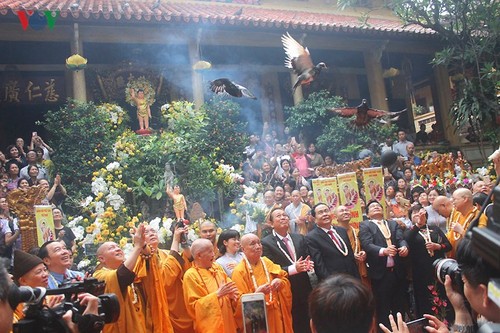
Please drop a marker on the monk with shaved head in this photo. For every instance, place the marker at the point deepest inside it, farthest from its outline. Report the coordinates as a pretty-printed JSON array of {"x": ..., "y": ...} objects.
[
  {"x": 209, "y": 293},
  {"x": 208, "y": 230},
  {"x": 259, "y": 274},
  {"x": 464, "y": 212},
  {"x": 118, "y": 273},
  {"x": 443, "y": 206}
]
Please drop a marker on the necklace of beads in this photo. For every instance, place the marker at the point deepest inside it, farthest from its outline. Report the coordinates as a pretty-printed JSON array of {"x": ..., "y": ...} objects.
[
  {"x": 427, "y": 237},
  {"x": 469, "y": 218},
  {"x": 344, "y": 250},
  {"x": 268, "y": 279},
  {"x": 203, "y": 281}
]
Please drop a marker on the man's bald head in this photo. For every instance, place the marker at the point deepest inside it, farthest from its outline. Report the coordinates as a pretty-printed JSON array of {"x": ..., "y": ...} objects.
[
  {"x": 342, "y": 213},
  {"x": 208, "y": 230},
  {"x": 462, "y": 200},
  {"x": 199, "y": 246},
  {"x": 443, "y": 206},
  {"x": 247, "y": 239},
  {"x": 251, "y": 247}
]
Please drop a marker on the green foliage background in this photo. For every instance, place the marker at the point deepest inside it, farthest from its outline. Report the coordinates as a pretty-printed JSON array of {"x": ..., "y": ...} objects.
[
  {"x": 333, "y": 134},
  {"x": 193, "y": 141}
]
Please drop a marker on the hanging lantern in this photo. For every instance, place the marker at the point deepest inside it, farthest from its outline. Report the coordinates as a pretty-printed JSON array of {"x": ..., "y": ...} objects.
[
  {"x": 201, "y": 65},
  {"x": 76, "y": 62}
]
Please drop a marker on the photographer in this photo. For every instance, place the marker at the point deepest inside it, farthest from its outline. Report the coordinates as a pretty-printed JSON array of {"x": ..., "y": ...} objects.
[
  {"x": 476, "y": 273},
  {"x": 6, "y": 312}
]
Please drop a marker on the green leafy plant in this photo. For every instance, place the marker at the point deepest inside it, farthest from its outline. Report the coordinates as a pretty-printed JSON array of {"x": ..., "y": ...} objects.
[
  {"x": 470, "y": 34},
  {"x": 334, "y": 135}
]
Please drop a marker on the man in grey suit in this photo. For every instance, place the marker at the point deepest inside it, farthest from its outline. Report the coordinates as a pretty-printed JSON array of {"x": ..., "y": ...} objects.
[
  {"x": 384, "y": 245},
  {"x": 329, "y": 246},
  {"x": 291, "y": 253}
]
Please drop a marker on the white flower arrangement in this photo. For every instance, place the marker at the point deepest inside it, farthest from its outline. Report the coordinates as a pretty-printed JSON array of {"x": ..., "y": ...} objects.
[
  {"x": 99, "y": 185},
  {"x": 79, "y": 232},
  {"x": 84, "y": 263},
  {"x": 74, "y": 222},
  {"x": 113, "y": 166},
  {"x": 99, "y": 208},
  {"x": 482, "y": 171},
  {"x": 87, "y": 201},
  {"x": 114, "y": 199}
]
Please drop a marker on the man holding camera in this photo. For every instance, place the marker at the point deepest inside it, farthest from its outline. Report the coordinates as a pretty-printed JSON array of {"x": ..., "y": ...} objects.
[
  {"x": 119, "y": 275},
  {"x": 476, "y": 274}
]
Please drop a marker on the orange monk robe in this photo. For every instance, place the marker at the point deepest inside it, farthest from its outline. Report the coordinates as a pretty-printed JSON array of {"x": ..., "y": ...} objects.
[
  {"x": 279, "y": 310},
  {"x": 464, "y": 221},
  {"x": 353, "y": 234},
  {"x": 209, "y": 313},
  {"x": 173, "y": 271},
  {"x": 131, "y": 317},
  {"x": 157, "y": 311}
]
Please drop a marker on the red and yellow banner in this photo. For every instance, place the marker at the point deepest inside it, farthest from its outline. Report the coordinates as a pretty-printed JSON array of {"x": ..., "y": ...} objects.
[
  {"x": 349, "y": 195},
  {"x": 374, "y": 186},
  {"x": 325, "y": 191}
]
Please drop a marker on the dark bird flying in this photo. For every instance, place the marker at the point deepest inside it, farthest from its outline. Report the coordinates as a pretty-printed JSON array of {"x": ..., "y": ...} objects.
[
  {"x": 299, "y": 59},
  {"x": 223, "y": 85},
  {"x": 364, "y": 114}
]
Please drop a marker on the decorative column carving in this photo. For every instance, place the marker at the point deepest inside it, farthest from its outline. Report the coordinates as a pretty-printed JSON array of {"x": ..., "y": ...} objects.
[
  {"x": 79, "y": 84},
  {"x": 376, "y": 84},
  {"x": 444, "y": 102}
]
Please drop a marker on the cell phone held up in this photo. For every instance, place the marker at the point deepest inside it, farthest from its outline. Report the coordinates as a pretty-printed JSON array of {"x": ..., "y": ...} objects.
[
  {"x": 254, "y": 313},
  {"x": 418, "y": 325}
]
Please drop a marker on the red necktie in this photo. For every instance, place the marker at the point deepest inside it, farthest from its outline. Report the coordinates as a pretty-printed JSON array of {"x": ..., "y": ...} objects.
[
  {"x": 333, "y": 236},
  {"x": 289, "y": 247}
]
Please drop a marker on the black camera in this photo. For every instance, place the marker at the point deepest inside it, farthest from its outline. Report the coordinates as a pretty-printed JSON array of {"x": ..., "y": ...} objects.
[
  {"x": 40, "y": 318},
  {"x": 179, "y": 224},
  {"x": 446, "y": 266}
]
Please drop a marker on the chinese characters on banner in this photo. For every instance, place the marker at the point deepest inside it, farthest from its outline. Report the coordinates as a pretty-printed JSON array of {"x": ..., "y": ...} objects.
[
  {"x": 34, "y": 90},
  {"x": 44, "y": 224}
]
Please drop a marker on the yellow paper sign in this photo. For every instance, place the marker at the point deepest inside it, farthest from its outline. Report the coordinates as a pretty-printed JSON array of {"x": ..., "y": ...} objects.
[
  {"x": 349, "y": 195},
  {"x": 44, "y": 224},
  {"x": 325, "y": 191},
  {"x": 374, "y": 186}
]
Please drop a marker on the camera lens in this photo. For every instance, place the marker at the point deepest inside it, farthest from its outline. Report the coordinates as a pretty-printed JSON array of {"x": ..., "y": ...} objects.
[{"x": 449, "y": 267}]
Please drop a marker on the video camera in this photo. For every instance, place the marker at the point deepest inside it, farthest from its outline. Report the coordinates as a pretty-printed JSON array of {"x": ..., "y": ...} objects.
[{"x": 40, "y": 318}]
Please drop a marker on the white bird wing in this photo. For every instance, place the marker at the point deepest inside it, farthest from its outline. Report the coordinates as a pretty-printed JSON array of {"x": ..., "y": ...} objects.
[{"x": 297, "y": 57}]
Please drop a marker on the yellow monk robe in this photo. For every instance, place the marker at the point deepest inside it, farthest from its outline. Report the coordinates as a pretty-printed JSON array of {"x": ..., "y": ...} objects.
[
  {"x": 464, "y": 221},
  {"x": 174, "y": 267},
  {"x": 209, "y": 313},
  {"x": 131, "y": 311},
  {"x": 279, "y": 309},
  {"x": 353, "y": 235},
  {"x": 157, "y": 312}
]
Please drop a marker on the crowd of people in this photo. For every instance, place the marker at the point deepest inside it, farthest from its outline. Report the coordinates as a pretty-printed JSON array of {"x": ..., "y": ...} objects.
[{"x": 316, "y": 275}]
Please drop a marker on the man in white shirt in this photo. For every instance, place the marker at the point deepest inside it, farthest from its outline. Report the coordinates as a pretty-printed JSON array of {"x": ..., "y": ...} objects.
[{"x": 400, "y": 146}]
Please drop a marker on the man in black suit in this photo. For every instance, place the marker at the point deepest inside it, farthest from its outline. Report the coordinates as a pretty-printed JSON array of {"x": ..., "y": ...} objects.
[
  {"x": 291, "y": 253},
  {"x": 384, "y": 245},
  {"x": 329, "y": 246}
]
